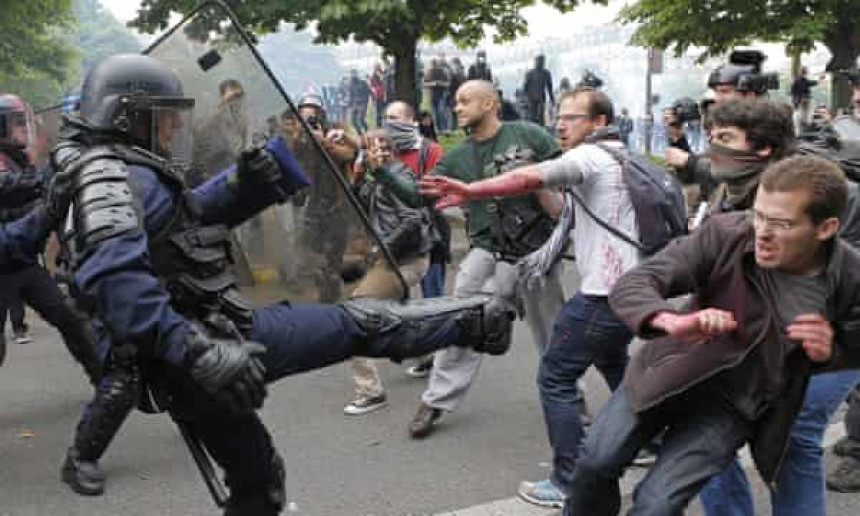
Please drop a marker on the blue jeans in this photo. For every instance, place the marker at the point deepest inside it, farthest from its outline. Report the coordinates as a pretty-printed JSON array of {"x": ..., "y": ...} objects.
[
  {"x": 586, "y": 332},
  {"x": 702, "y": 436},
  {"x": 433, "y": 283},
  {"x": 801, "y": 478},
  {"x": 440, "y": 109}
]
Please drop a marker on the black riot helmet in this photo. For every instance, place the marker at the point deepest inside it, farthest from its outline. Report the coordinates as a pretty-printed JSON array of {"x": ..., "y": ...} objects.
[
  {"x": 137, "y": 99},
  {"x": 17, "y": 128}
]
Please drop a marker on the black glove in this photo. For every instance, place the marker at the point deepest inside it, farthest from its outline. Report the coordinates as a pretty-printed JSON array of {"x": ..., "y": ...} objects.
[
  {"x": 257, "y": 166},
  {"x": 58, "y": 197},
  {"x": 227, "y": 369}
]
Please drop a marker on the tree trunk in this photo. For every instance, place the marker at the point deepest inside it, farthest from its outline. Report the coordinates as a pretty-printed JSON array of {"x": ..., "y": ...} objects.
[
  {"x": 404, "y": 63},
  {"x": 795, "y": 63},
  {"x": 843, "y": 41}
]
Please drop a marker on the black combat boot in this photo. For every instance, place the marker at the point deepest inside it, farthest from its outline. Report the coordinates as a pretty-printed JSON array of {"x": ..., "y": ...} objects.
[{"x": 84, "y": 477}]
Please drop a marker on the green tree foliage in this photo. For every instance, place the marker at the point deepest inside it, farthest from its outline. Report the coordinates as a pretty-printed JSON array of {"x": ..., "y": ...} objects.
[
  {"x": 719, "y": 25},
  {"x": 33, "y": 54},
  {"x": 98, "y": 34},
  {"x": 48, "y": 44},
  {"x": 395, "y": 25}
]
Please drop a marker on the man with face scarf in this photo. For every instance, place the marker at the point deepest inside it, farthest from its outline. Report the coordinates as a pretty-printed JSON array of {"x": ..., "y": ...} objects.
[{"x": 746, "y": 136}]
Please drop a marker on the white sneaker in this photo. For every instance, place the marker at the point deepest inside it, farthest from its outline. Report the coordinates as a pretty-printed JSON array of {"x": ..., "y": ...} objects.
[{"x": 22, "y": 337}]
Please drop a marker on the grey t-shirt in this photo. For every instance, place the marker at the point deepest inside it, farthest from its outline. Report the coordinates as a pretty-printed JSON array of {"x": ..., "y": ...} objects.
[{"x": 758, "y": 380}]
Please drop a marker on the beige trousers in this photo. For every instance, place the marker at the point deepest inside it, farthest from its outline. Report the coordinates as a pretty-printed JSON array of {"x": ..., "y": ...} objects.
[{"x": 381, "y": 282}]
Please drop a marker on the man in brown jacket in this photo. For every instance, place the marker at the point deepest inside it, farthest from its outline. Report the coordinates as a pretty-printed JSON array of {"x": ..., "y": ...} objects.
[{"x": 775, "y": 296}]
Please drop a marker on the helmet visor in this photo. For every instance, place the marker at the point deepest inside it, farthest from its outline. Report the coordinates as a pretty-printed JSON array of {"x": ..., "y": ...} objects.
[
  {"x": 172, "y": 135},
  {"x": 17, "y": 128}
]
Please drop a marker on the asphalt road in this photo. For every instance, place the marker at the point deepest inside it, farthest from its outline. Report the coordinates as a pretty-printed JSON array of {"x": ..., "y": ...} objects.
[{"x": 336, "y": 465}]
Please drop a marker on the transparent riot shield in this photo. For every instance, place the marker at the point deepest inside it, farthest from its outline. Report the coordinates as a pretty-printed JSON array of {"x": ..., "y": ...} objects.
[{"x": 303, "y": 247}]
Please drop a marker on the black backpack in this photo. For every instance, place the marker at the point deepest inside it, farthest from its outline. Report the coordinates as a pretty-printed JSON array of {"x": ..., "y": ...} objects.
[{"x": 657, "y": 197}]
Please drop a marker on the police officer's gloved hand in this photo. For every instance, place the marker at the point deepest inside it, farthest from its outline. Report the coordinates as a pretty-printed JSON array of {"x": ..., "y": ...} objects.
[
  {"x": 227, "y": 369},
  {"x": 258, "y": 167},
  {"x": 58, "y": 197}
]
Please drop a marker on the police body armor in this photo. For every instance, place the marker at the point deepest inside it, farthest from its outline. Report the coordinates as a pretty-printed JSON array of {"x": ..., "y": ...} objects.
[{"x": 192, "y": 261}]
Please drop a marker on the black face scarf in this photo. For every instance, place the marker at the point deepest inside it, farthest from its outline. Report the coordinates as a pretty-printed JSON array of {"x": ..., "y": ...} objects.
[
  {"x": 731, "y": 165},
  {"x": 403, "y": 135}
]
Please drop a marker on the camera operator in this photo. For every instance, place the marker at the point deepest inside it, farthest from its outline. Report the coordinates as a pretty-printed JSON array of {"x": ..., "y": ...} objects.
[
  {"x": 741, "y": 77},
  {"x": 674, "y": 117},
  {"x": 323, "y": 213}
]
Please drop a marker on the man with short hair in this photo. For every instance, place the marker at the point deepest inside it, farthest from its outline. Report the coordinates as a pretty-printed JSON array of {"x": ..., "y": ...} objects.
[
  {"x": 726, "y": 81},
  {"x": 410, "y": 157},
  {"x": 492, "y": 146},
  {"x": 775, "y": 304},
  {"x": 586, "y": 332},
  {"x": 746, "y": 136}
]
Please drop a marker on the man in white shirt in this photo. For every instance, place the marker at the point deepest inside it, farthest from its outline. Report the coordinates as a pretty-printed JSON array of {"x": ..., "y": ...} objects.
[{"x": 586, "y": 331}]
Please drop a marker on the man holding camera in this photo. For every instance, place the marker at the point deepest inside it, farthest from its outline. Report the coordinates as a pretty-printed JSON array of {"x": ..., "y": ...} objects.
[
  {"x": 323, "y": 209},
  {"x": 406, "y": 228},
  {"x": 493, "y": 146}
]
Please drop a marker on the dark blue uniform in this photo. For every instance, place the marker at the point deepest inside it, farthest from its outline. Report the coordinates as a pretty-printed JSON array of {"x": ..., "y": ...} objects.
[
  {"x": 116, "y": 278},
  {"x": 23, "y": 278}
]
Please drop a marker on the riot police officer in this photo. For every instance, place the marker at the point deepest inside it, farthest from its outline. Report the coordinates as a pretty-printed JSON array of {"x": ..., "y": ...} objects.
[
  {"x": 150, "y": 262},
  {"x": 27, "y": 281}
]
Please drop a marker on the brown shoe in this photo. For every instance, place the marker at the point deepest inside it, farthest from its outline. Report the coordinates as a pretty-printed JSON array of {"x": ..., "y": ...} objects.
[{"x": 423, "y": 421}]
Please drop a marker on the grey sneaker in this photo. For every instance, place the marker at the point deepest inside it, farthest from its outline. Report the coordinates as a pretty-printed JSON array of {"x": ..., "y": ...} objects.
[
  {"x": 846, "y": 477},
  {"x": 364, "y": 404}
]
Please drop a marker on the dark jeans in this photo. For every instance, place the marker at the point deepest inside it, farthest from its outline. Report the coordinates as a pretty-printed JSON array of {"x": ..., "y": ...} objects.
[
  {"x": 586, "y": 332},
  {"x": 433, "y": 283},
  {"x": 15, "y": 307},
  {"x": 536, "y": 112},
  {"x": 35, "y": 287},
  {"x": 439, "y": 105},
  {"x": 359, "y": 117},
  {"x": 380, "y": 110},
  {"x": 701, "y": 439}
]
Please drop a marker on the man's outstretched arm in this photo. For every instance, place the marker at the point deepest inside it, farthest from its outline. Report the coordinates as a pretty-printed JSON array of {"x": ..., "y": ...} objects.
[{"x": 564, "y": 170}]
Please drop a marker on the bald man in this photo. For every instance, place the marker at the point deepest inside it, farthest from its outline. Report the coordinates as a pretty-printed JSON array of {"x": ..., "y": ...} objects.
[{"x": 491, "y": 143}]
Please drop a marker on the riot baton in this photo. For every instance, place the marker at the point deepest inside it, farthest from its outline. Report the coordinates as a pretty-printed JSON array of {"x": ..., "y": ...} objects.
[{"x": 204, "y": 464}]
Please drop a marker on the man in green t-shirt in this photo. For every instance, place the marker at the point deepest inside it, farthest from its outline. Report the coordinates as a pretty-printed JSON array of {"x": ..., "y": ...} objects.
[{"x": 492, "y": 142}]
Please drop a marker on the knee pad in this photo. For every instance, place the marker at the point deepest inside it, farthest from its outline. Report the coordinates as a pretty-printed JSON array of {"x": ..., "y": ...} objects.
[{"x": 487, "y": 328}]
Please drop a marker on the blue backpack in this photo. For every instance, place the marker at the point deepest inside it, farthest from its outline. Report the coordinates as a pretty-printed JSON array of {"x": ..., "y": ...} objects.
[{"x": 657, "y": 197}]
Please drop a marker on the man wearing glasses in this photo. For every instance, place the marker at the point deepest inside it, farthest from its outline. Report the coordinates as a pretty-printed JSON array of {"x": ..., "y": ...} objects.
[{"x": 586, "y": 332}]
